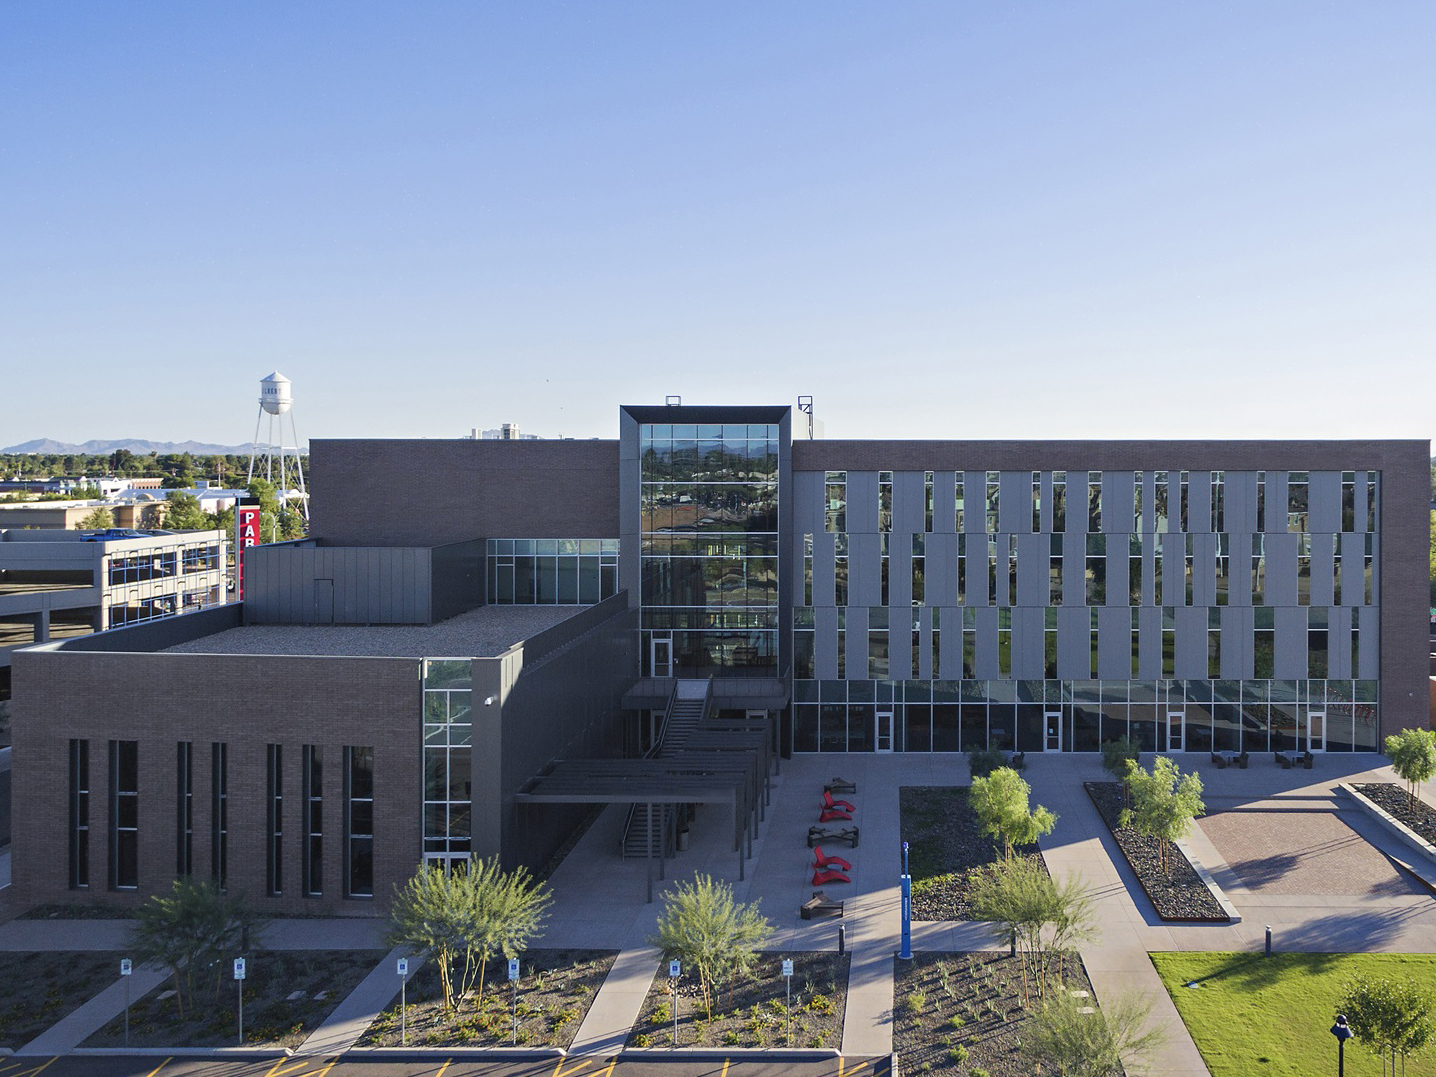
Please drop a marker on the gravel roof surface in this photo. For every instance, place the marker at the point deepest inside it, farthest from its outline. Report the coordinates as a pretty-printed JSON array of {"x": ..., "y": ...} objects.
[{"x": 479, "y": 633}]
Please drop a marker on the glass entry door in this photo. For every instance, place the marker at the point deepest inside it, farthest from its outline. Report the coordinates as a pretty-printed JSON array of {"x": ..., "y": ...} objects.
[
  {"x": 883, "y": 731},
  {"x": 1052, "y": 724},
  {"x": 1315, "y": 731},
  {"x": 1174, "y": 731},
  {"x": 660, "y": 653}
]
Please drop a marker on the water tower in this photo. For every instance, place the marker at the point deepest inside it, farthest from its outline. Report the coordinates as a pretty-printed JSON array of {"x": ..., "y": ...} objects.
[{"x": 278, "y": 462}]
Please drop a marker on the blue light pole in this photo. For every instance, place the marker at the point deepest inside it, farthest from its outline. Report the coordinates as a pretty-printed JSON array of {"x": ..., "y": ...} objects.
[
  {"x": 906, "y": 952},
  {"x": 1342, "y": 1031}
]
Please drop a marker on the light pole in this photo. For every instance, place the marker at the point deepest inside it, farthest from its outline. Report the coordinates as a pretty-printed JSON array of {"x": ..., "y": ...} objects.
[
  {"x": 906, "y": 952},
  {"x": 1342, "y": 1031}
]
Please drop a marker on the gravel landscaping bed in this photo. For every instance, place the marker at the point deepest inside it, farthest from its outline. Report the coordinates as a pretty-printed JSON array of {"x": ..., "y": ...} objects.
[
  {"x": 556, "y": 988},
  {"x": 1177, "y": 893},
  {"x": 37, "y": 989},
  {"x": 962, "y": 1013},
  {"x": 273, "y": 1016},
  {"x": 753, "y": 1012},
  {"x": 1392, "y": 798},
  {"x": 946, "y": 846}
]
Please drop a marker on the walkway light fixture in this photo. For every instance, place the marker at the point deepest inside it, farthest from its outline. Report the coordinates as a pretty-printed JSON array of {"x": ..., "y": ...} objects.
[{"x": 1342, "y": 1031}]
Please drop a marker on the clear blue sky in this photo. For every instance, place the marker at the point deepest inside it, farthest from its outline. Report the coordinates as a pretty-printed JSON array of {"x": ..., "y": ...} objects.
[{"x": 941, "y": 220}]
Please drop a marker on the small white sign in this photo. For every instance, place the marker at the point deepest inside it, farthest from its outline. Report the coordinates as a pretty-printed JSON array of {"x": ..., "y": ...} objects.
[
  {"x": 239, "y": 968},
  {"x": 401, "y": 966},
  {"x": 675, "y": 970},
  {"x": 125, "y": 967},
  {"x": 787, "y": 968},
  {"x": 513, "y": 968}
]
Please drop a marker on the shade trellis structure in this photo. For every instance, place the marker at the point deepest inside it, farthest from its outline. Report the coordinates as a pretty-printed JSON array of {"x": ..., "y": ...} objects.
[{"x": 722, "y": 762}]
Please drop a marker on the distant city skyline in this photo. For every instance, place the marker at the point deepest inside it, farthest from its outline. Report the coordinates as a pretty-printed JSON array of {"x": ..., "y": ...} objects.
[{"x": 1087, "y": 220}]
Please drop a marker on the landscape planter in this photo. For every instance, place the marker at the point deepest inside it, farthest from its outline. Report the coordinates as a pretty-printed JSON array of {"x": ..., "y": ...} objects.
[
  {"x": 1388, "y": 804},
  {"x": 1178, "y": 895}
]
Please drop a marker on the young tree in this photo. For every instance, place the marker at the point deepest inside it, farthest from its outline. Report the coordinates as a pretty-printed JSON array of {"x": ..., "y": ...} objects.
[
  {"x": 701, "y": 925},
  {"x": 1000, "y": 801},
  {"x": 1164, "y": 803},
  {"x": 1064, "y": 1041},
  {"x": 1413, "y": 756},
  {"x": 189, "y": 930},
  {"x": 1039, "y": 917},
  {"x": 473, "y": 911},
  {"x": 99, "y": 519},
  {"x": 1119, "y": 758},
  {"x": 1388, "y": 1018}
]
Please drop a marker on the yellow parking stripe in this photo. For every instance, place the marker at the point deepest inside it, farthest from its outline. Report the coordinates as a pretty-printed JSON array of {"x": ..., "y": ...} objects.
[
  {"x": 14, "y": 1070},
  {"x": 161, "y": 1066}
]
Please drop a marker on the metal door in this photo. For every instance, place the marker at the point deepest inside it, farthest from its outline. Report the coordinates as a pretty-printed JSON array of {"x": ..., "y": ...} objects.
[
  {"x": 324, "y": 602},
  {"x": 1174, "y": 731},
  {"x": 660, "y": 653},
  {"x": 883, "y": 731},
  {"x": 1052, "y": 730},
  {"x": 1315, "y": 731}
]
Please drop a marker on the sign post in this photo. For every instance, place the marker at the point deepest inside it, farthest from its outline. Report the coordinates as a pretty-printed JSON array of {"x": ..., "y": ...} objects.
[
  {"x": 126, "y": 969},
  {"x": 675, "y": 970},
  {"x": 239, "y": 979},
  {"x": 788, "y": 975},
  {"x": 514, "y": 979},
  {"x": 402, "y": 968}
]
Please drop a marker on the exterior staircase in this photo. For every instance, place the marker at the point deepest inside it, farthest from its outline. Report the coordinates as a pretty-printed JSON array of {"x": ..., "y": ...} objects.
[{"x": 687, "y": 707}]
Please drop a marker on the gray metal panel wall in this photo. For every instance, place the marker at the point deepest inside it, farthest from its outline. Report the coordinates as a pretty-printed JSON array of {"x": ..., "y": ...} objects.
[
  {"x": 909, "y": 502},
  {"x": 457, "y": 582}
]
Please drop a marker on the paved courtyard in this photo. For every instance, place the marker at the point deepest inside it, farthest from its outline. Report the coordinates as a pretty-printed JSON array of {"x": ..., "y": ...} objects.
[
  {"x": 1305, "y": 852},
  {"x": 1288, "y": 850}
]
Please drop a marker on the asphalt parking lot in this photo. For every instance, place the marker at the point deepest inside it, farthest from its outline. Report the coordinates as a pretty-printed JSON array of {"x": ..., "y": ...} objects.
[{"x": 439, "y": 1066}]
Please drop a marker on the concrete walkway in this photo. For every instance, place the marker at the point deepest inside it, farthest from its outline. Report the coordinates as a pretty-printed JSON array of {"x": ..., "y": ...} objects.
[
  {"x": 337, "y": 933},
  {"x": 79, "y": 1025},
  {"x": 373, "y": 995}
]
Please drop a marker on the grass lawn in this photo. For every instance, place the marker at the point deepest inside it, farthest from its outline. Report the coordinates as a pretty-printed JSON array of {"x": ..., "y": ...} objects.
[{"x": 1272, "y": 1016}]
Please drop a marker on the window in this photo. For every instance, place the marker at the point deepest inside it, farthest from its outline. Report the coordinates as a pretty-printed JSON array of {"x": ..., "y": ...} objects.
[
  {"x": 1094, "y": 502},
  {"x": 836, "y": 513},
  {"x": 885, "y": 501},
  {"x": 994, "y": 496},
  {"x": 274, "y": 822},
  {"x": 359, "y": 821},
  {"x": 79, "y": 814},
  {"x": 219, "y": 814},
  {"x": 957, "y": 515},
  {"x": 927, "y": 500},
  {"x": 1296, "y": 502},
  {"x": 124, "y": 814},
  {"x": 565, "y": 572},
  {"x": 919, "y": 575},
  {"x": 184, "y": 808},
  {"x": 312, "y": 764}
]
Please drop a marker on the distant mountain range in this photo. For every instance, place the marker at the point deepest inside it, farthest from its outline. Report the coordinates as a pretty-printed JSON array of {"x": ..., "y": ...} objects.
[{"x": 134, "y": 445}]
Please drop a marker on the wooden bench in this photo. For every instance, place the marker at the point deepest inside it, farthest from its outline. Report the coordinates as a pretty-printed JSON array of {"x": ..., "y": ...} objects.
[{"x": 820, "y": 905}]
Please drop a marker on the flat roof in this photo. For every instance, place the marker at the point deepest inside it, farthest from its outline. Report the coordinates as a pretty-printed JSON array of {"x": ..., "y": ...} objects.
[{"x": 480, "y": 633}]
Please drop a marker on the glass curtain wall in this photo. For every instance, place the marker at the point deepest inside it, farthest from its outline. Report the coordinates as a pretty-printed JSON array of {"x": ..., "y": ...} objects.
[
  {"x": 709, "y": 544},
  {"x": 448, "y": 728}
]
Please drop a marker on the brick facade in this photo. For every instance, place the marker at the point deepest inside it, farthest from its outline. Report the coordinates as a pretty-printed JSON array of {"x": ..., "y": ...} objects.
[{"x": 247, "y": 702}]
